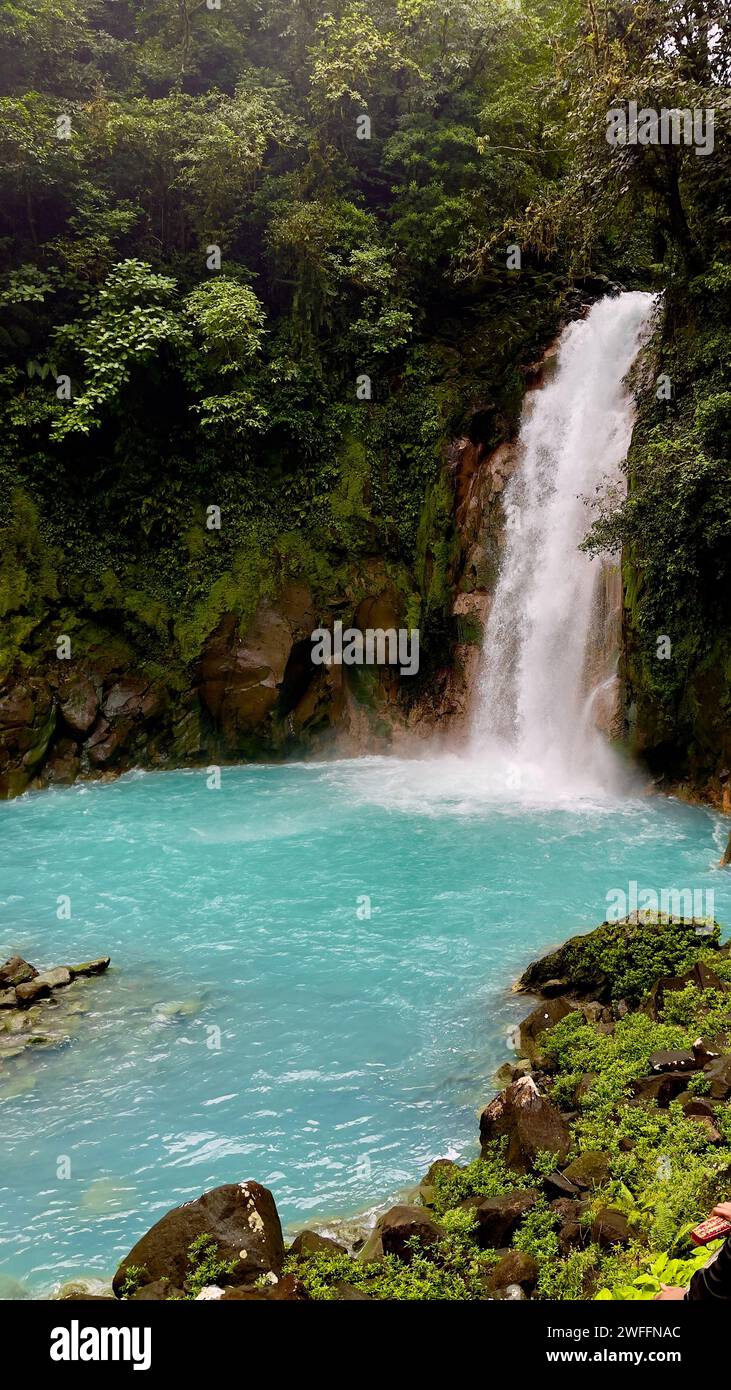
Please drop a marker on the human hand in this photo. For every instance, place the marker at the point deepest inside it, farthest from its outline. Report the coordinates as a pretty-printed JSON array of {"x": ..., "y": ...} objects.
[{"x": 669, "y": 1294}]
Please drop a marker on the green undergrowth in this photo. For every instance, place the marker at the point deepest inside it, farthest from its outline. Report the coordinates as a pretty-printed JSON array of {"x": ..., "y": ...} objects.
[
  {"x": 622, "y": 960},
  {"x": 664, "y": 1170}
]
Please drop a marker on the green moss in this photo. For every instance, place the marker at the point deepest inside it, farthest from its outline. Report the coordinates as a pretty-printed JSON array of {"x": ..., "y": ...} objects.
[
  {"x": 205, "y": 1266},
  {"x": 28, "y": 579},
  {"x": 622, "y": 960},
  {"x": 488, "y": 1176}
]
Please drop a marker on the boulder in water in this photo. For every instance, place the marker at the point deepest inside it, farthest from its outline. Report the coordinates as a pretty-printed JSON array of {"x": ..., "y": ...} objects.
[
  {"x": 16, "y": 971},
  {"x": 240, "y": 1218},
  {"x": 91, "y": 967}
]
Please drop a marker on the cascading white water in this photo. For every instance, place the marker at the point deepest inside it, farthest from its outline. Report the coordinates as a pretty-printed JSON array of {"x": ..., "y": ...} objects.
[{"x": 541, "y": 676}]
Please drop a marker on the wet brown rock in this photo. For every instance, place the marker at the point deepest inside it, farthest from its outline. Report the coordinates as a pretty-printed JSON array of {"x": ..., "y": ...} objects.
[
  {"x": 610, "y": 1227},
  {"x": 403, "y": 1224},
  {"x": 79, "y": 704},
  {"x": 239, "y": 679},
  {"x": 531, "y": 1123},
  {"x": 63, "y": 764},
  {"x": 32, "y": 991},
  {"x": 40, "y": 987},
  {"x": 91, "y": 967},
  {"x": 515, "y": 1267},
  {"x": 498, "y": 1218},
  {"x": 107, "y": 740},
  {"x": 537, "y": 1023},
  {"x": 242, "y": 1220},
  {"x": 133, "y": 697},
  {"x": 312, "y": 1243},
  {"x": 27, "y": 723},
  {"x": 16, "y": 971}
]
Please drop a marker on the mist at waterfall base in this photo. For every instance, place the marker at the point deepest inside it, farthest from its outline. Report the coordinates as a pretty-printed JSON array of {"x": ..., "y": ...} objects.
[{"x": 346, "y": 931}]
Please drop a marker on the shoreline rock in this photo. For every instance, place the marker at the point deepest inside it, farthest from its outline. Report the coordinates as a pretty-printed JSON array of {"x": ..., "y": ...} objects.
[{"x": 30, "y": 1003}]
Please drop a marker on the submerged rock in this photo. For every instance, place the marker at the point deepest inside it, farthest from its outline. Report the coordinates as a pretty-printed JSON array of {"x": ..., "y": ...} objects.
[
  {"x": 35, "y": 1009},
  {"x": 91, "y": 967}
]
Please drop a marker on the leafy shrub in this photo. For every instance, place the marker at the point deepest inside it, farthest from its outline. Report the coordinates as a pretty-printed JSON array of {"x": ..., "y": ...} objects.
[{"x": 204, "y": 1265}]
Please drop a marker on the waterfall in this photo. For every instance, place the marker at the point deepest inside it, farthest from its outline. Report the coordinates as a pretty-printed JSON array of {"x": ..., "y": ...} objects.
[{"x": 548, "y": 665}]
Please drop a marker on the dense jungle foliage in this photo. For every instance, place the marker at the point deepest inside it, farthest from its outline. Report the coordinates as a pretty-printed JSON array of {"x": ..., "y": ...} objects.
[{"x": 219, "y": 217}]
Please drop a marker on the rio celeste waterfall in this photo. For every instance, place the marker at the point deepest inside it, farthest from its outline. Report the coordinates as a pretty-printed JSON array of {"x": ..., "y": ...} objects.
[
  {"x": 548, "y": 670},
  {"x": 355, "y": 1045}
]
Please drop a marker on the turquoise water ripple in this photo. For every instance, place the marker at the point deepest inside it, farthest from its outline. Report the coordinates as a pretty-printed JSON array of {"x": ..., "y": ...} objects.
[{"x": 353, "y": 1049}]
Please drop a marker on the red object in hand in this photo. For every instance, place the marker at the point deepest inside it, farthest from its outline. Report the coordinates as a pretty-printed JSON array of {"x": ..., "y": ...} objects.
[{"x": 709, "y": 1230}]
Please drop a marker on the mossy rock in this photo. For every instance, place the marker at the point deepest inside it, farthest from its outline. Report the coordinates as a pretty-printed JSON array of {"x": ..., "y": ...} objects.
[{"x": 622, "y": 960}]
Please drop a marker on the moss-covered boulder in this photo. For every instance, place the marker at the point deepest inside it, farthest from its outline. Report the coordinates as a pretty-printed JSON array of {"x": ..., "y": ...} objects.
[{"x": 622, "y": 960}]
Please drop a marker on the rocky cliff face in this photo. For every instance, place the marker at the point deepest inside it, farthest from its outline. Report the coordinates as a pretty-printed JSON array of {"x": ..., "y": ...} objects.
[{"x": 254, "y": 693}]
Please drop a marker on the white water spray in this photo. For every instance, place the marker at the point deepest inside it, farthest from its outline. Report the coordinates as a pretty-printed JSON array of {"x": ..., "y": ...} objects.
[{"x": 551, "y": 637}]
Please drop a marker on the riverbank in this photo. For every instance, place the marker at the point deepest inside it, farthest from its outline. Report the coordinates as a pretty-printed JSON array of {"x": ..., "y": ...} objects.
[{"x": 611, "y": 1138}]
